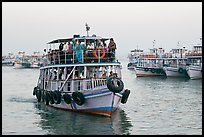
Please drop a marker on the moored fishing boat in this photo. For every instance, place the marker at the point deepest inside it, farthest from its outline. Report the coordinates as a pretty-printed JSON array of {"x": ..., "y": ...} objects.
[{"x": 82, "y": 79}]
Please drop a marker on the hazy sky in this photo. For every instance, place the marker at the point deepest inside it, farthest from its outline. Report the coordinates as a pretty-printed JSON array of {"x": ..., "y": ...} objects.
[{"x": 28, "y": 26}]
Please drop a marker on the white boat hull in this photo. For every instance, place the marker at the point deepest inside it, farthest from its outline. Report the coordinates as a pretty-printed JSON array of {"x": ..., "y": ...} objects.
[
  {"x": 35, "y": 65},
  {"x": 18, "y": 66},
  {"x": 194, "y": 72},
  {"x": 103, "y": 102},
  {"x": 141, "y": 72},
  {"x": 173, "y": 72}
]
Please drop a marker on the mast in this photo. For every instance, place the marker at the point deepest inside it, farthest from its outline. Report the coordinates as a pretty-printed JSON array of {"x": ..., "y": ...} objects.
[{"x": 87, "y": 29}]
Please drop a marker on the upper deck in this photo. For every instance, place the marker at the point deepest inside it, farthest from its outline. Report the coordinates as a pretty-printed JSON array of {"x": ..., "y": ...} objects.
[{"x": 79, "y": 50}]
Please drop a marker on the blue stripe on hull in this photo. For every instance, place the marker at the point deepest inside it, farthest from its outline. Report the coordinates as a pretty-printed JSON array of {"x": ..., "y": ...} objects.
[{"x": 99, "y": 108}]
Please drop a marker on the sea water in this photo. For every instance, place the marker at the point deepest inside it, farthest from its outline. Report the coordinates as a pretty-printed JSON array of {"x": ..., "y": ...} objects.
[{"x": 156, "y": 106}]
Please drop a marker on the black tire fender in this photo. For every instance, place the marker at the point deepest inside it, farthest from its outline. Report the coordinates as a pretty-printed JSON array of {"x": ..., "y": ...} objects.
[
  {"x": 34, "y": 91},
  {"x": 125, "y": 96},
  {"x": 152, "y": 70},
  {"x": 43, "y": 95},
  {"x": 57, "y": 97},
  {"x": 46, "y": 98},
  {"x": 50, "y": 96},
  {"x": 180, "y": 70},
  {"x": 78, "y": 98},
  {"x": 146, "y": 69},
  {"x": 67, "y": 98},
  {"x": 115, "y": 84},
  {"x": 38, "y": 94}
]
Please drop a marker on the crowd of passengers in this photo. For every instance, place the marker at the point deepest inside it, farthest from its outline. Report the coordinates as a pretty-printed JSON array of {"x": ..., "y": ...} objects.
[{"x": 79, "y": 52}]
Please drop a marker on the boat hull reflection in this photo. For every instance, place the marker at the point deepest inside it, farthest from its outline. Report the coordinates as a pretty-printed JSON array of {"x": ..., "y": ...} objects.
[{"x": 60, "y": 122}]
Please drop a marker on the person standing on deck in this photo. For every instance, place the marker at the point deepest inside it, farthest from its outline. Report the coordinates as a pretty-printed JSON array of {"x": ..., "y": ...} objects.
[
  {"x": 112, "y": 48},
  {"x": 79, "y": 52}
]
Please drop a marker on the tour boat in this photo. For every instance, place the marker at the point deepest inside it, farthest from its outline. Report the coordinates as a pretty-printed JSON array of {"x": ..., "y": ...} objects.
[
  {"x": 149, "y": 67},
  {"x": 175, "y": 65},
  {"x": 36, "y": 60},
  {"x": 133, "y": 58},
  {"x": 151, "y": 63},
  {"x": 8, "y": 60},
  {"x": 194, "y": 60},
  {"x": 22, "y": 61},
  {"x": 81, "y": 79}
]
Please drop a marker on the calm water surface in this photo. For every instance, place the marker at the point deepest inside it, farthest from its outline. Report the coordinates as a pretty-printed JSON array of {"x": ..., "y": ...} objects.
[{"x": 155, "y": 106}]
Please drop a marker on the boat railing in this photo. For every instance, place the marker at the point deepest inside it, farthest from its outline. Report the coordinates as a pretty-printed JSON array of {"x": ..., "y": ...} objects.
[
  {"x": 80, "y": 56},
  {"x": 75, "y": 84}
]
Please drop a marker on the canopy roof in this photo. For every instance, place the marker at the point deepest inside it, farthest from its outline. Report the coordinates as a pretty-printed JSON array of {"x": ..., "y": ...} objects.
[
  {"x": 60, "y": 40},
  {"x": 78, "y": 38}
]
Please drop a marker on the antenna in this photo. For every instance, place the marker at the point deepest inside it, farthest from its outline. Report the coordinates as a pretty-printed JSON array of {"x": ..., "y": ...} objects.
[
  {"x": 87, "y": 29},
  {"x": 178, "y": 44},
  {"x": 153, "y": 43}
]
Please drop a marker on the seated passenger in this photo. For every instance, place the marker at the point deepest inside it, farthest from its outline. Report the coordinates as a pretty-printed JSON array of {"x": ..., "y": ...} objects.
[
  {"x": 90, "y": 46},
  {"x": 104, "y": 75},
  {"x": 111, "y": 74},
  {"x": 115, "y": 75},
  {"x": 89, "y": 49}
]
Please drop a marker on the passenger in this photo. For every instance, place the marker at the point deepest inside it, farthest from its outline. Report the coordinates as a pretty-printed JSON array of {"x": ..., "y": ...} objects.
[
  {"x": 104, "y": 75},
  {"x": 69, "y": 50},
  {"x": 79, "y": 52},
  {"x": 111, "y": 74},
  {"x": 115, "y": 75},
  {"x": 94, "y": 76},
  {"x": 61, "y": 46},
  {"x": 90, "y": 46},
  {"x": 65, "y": 46},
  {"x": 73, "y": 45},
  {"x": 84, "y": 46},
  {"x": 55, "y": 75},
  {"x": 105, "y": 46},
  {"x": 100, "y": 45},
  {"x": 89, "y": 49},
  {"x": 112, "y": 46}
]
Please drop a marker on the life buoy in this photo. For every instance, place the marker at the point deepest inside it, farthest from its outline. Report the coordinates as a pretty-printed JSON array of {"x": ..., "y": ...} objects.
[
  {"x": 125, "y": 96},
  {"x": 67, "y": 98},
  {"x": 95, "y": 53},
  {"x": 57, "y": 97},
  {"x": 115, "y": 84},
  {"x": 180, "y": 70},
  {"x": 152, "y": 70},
  {"x": 78, "y": 97}
]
